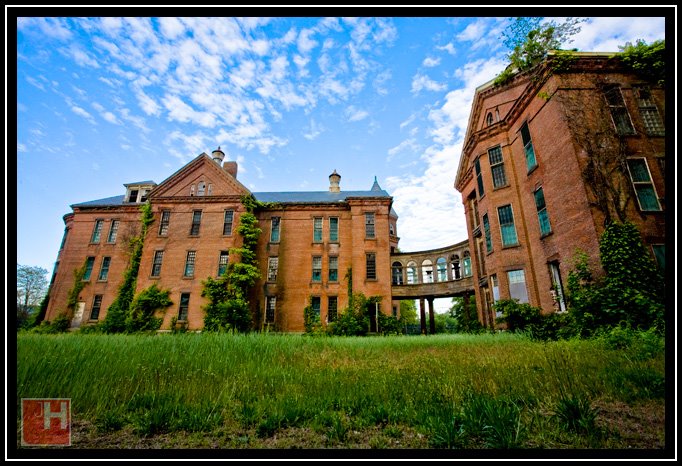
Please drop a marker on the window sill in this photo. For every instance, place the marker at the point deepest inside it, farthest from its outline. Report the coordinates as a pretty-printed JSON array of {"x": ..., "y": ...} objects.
[
  {"x": 101, "y": 281},
  {"x": 545, "y": 235},
  {"x": 511, "y": 246},
  {"x": 503, "y": 186},
  {"x": 188, "y": 278},
  {"x": 154, "y": 277},
  {"x": 532, "y": 169}
]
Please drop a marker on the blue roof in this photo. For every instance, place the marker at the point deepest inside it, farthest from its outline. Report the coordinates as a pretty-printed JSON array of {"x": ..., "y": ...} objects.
[
  {"x": 316, "y": 196},
  {"x": 107, "y": 201}
]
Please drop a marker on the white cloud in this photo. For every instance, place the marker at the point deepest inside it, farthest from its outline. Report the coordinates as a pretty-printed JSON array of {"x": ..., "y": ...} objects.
[
  {"x": 171, "y": 27},
  {"x": 449, "y": 48},
  {"x": 473, "y": 31},
  {"x": 81, "y": 57},
  {"x": 356, "y": 114},
  {"x": 408, "y": 144},
  {"x": 148, "y": 105},
  {"x": 178, "y": 110},
  {"x": 605, "y": 34},
  {"x": 421, "y": 81},
  {"x": 34, "y": 82},
  {"x": 430, "y": 62},
  {"x": 82, "y": 112},
  {"x": 313, "y": 130},
  {"x": 305, "y": 43},
  {"x": 21, "y": 147}
]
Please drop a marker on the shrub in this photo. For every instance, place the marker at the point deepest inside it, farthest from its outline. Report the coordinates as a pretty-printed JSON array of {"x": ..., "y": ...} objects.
[{"x": 141, "y": 316}]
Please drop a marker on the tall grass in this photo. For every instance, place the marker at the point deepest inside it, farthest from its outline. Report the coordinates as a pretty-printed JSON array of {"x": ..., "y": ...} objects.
[{"x": 459, "y": 390}]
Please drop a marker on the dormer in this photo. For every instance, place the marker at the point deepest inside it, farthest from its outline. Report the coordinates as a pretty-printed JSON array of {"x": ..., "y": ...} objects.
[{"x": 136, "y": 193}]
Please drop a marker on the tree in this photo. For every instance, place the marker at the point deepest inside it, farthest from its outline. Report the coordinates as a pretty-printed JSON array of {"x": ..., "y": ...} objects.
[
  {"x": 408, "y": 312},
  {"x": 465, "y": 319},
  {"x": 31, "y": 289}
]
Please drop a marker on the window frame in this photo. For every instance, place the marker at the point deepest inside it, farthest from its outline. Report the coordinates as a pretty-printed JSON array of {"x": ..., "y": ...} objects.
[
  {"x": 618, "y": 108},
  {"x": 97, "y": 231},
  {"x": 228, "y": 224},
  {"x": 528, "y": 148},
  {"x": 275, "y": 227},
  {"x": 157, "y": 261},
  {"x": 223, "y": 261},
  {"x": 371, "y": 266},
  {"x": 487, "y": 234},
  {"x": 317, "y": 229},
  {"x": 164, "y": 222},
  {"x": 479, "y": 177},
  {"x": 190, "y": 264},
  {"x": 195, "y": 227},
  {"x": 89, "y": 266},
  {"x": 335, "y": 308},
  {"x": 96, "y": 306},
  {"x": 104, "y": 269},
  {"x": 653, "y": 124},
  {"x": 525, "y": 284},
  {"x": 643, "y": 183},
  {"x": 502, "y": 225},
  {"x": 333, "y": 269},
  {"x": 540, "y": 211},
  {"x": 316, "y": 271},
  {"x": 334, "y": 230},
  {"x": 183, "y": 307},
  {"x": 497, "y": 166},
  {"x": 113, "y": 231},
  {"x": 370, "y": 225},
  {"x": 270, "y": 309},
  {"x": 273, "y": 268}
]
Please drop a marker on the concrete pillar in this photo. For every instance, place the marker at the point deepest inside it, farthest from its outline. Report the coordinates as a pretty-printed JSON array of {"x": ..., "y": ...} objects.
[
  {"x": 432, "y": 318},
  {"x": 422, "y": 315}
]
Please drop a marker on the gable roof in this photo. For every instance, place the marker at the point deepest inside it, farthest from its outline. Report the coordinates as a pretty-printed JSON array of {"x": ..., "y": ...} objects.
[{"x": 316, "y": 197}]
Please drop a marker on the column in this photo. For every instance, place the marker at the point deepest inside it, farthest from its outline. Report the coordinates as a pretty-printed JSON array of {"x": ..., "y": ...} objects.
[
  {"x": 432, "y": 318},
  {"x": 422, "y": 315}
]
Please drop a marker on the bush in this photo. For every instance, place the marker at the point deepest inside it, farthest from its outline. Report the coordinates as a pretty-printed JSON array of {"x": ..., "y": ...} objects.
[
  {"x": 522, "y": 317},
  {"x": 141, "y": 316}
]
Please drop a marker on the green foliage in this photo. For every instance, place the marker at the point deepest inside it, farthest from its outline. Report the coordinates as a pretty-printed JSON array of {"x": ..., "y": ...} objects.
[
  {"x": 647, "y": 61},
  {"x": 60, "y": 324},
  {"x": 354, "y": 319},
  {"x": 389, "y": 325},
  {"x": 465, "y": 319},
  {"x": 311, "y": 319},
  {"x": 522, "y": 317},
  {"x": 408, "y": 312},
  {"x": 141, "y": 316},
  {"x": 576, "y": 414},
  {"x": 178, "y": 328},
  {"x": 75, "y": 291}
]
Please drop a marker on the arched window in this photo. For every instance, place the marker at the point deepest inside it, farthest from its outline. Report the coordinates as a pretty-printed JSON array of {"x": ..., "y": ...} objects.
[
  {"x": 489, "y": 119},
  {"x": 411, "y": 273},
  {"x": 454, "y": 267},
  {"x": 427, "y": 271},
  {"x": 466, "y": 264},
  {"x": 397, "y": 273},
  {"x": 201, "y": 190},
  {"x": 441, "y": 270}
]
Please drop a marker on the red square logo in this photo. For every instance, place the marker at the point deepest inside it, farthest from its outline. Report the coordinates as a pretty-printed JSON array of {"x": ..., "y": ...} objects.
[{"x": 46, "y": 421}]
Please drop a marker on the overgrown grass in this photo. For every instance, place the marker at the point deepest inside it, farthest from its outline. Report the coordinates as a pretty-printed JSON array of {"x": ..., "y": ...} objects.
[{"x": 456, "y": 391}]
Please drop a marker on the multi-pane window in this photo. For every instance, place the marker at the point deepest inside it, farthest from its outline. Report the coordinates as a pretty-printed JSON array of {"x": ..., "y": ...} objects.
[
  {"x": 479, "y": 177},
  {"x": 528, "y": 149},
  {"x": 466, "y": 264},
  {"x": 133, "y": 195},
  {"x": 543, "y": 218},
  {"x": 333, "y": 269},
  {"x": 183, "y": 311},
  {"x": 165, "y": 221},
  {"x": 489, "y": 119},
  {"x": 371, "y": 265},
  {"x": 270, "y": 304},
  {"x": 641, "y": 181},
  {"x": 427, "y": 271},
  {"x": 333, "y": 229},
  {"x": 441, "y": 269},
  {"x": 89, "y": 264},
  {"x": 332, "y": 308},
  {"x": 274, "y": 229},
  {"x": 317, "y": 229},
  {"x": 97, "y": 231},
  {"x": 619, "y": 113},
  {"x": 497, "y": 167},
  {"x": 156, "y": 265},
  {"x": 369, "y": 225},
  {"x": 273, "y": 264},
  {"x": 517, "y": 285},
  {"x": 411, "y": 273},
  {"x": 397, "y": 275},
  {"x": 196, "y": 223},
  {"x": 96, "y": 306},
  {"x": 189, "y": 263},
  {"x": 104, "y": 270},
  {"x": 317, "y": 268},
  {"x": 486, "y": 232},
  {"x": 315, "y": 304},
  {"x": 507, "y": 228},
  {"x": 495, "y": 285},
  {"x": 649, "y": 112},
  {"x": 113, "y": 231},
  {"x": 222, "y": 262},
  {"x": 227, "y": 222}
]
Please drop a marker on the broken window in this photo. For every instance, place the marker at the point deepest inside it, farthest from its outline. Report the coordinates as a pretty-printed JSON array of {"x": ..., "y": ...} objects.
[
  {"x": 517, "y": 285},
  {"x": 270, "y": 303},
  {"x": 528, "y": 149},
  {"x": 369, "y": 225},
  {"x": 156, "y": 265},
  {"x": 222, "y": 262},
  {"x": 371, "y": 266},
  {"x": 397, "y": 276},
  {"x": 441, "y": 270},
  {"x": 649, "y": 112},
  {"x": 497, "y": 167},
  {"x": 479, "y": 177},
  {"x": 273, "y": 265},
  {"x": 507, "y": 228},
  {"x": 196, "y": 223},
  {"x": 96, "y": 307},
  {"x": 427, "y": 271},
  {"x": 165, "y": 221},
  {"x": 644, "y": 187},
  {"x": 619, "y": 112},
  {"x": 189, "y": 263},
  {"x": 97, "y": 231},
  {"x": 411, "y": 273},
  {"x": 486, "y": 231},
  {"x": 543, "y": 218},
  {"x": 183, "y": 311},
  {"x": 317, "y": 268}
]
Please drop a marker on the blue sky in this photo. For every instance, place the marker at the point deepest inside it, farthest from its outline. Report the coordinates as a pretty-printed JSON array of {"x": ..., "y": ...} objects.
[{"x": 107, "y": 101}]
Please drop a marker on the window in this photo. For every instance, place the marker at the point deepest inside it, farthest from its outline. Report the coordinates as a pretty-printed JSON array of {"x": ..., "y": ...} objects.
[
  {"x": 317, "y": 229},
  {"x": 369, "y": 225},
  {"x": 496, "y": 288},
  {"x": 191, "y": 190},
  {"x": 165, "y": 220},
  {"x": 184, "y": 307},
  {"x": 466, "y": 264},
  {"x": 96, "y": 306},
  {"x": 201, "y": 188},
  {"x": 196, "y": 222},
  {"x": 274, "y": 230},
  {"x": 557, "y": 285},
  {"x": 454, "y": 266},
  {"x": 317, "y": 268},
  {"x": 315, "y": 305},
  {"x": 143, "y": 198},
  {"x": 497, "y": 167},
  {"x": 397, "y": 275},
  {"x": 113, "y": 231},
  {"x": 156, "y": 265},
  {"x": 489, "y": 119},
  {"x": 517, "y": 285},
  {"x": 486, "y": 232},
  {"x": 531, "y": 163},
  {"x": 54, "y": 272},
  {"x": 371, "y": 265},
  {"x": 66, "y": 232},
  {"x": 89, "y": 264},
  {"x": 479, "y": 177},
  {"x": 222, "y": 262},
  {"x": 427, "y": 272},
  {"x": 644, "y": 188},
  {"x": 273, "y": 264},
  {"x": 97, "y": 231},
  {"x": 133, "y": 195},
  {"x": 189, "y": 263},
  {"x": 650, "y": 116},
  {"x": 227, "y": 222},
  {"x": 543, "y": 218},
  {"x": 333, "y": 269},
  {"x": 659, "y": 254},
  {"x": 473, "y": 211},
  {"x": 619, "y": 113},
  {"x": 391, "y": 229},
  {"x": 270, "y": 304},
  {"x": 333, "y": 229},
  {"x": 104, "y": 270},
  {"x": 441, "y": 270},
  {"x": 507, "y": 227},
  {"x": 332, "y": 308},
  {"x": 411, "y": 273}
]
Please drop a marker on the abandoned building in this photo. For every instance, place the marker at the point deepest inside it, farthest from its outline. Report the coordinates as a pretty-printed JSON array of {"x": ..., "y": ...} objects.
[{"x": 548, "y": 158}]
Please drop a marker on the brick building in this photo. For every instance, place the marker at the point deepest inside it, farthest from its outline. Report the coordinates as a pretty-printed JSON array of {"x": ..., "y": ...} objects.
[
  {"x": 549, "y": 157},
  {"x": 310, "y": 241}
]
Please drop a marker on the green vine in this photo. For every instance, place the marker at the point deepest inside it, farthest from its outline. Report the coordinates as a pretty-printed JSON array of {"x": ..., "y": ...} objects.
[
  {"x": 75, "y": 291},
  {"x": 141, "y": 316},
  {"x": 647, "y": 61}
]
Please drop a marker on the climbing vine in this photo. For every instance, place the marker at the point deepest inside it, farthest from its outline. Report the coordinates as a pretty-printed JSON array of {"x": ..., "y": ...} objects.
[
  {"x": 141, "y": 316},
  {"x": 647, "y": 61}
]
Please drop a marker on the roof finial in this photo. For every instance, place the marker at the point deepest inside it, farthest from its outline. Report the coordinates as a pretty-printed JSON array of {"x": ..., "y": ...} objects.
[{"x": 375, "y": 186}]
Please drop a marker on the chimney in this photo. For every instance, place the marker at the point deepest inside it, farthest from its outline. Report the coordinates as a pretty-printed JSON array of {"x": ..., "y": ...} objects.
[
  {"x": 218, "y": 155},
  {"x": 334, "y": 180},
  {"x": 231, "y": 168}
]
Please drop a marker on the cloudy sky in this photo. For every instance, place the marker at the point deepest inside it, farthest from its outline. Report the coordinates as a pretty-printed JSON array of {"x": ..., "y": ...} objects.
[{"x": 107, "y": 101}]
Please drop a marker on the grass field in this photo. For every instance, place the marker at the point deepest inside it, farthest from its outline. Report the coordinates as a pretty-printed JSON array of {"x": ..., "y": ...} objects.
[{"x": 290, "y": 391}]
